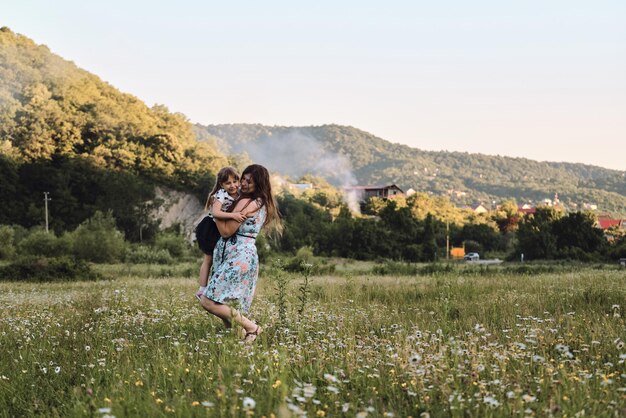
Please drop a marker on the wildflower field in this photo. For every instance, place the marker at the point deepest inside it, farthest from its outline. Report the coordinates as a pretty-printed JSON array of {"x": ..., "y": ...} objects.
[{"x": 352, "y": 343}]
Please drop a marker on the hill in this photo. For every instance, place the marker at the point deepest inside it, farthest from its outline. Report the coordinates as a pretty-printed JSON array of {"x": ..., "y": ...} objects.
[
  {"x": 65, "y": 131},
  {"x": 49, "y": 107},
  {"x": 346, "y": 155}
]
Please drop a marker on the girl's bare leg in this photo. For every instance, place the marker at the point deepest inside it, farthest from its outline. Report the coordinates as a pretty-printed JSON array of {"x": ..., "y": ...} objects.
[
  {"x": 227, "y": 314},
  {"x": 205, "y": 269}
]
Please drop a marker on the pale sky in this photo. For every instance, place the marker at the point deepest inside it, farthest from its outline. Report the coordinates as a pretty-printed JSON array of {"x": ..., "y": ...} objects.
[{"x": 543, "y": 79}]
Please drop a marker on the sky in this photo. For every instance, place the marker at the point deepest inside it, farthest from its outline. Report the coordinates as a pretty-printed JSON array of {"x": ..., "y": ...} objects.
[{"x": 544, "y": 80}]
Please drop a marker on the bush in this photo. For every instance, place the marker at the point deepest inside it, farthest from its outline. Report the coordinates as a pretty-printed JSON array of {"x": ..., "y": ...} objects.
[
  {"x": 142, "y": 254},
  {"x": 174, "y": 244},
  {"x": 98, "y": 240},
  {"x": 263, "y": 247},
  {"x": 396, "y": 268},
  {"x": 42, "y": 269},
  {"x": 304, "y": 260},
  {"x": 44, "y": 244},
  {"x": 7, "y": 238},
  {"x": 473, "y": 247}
]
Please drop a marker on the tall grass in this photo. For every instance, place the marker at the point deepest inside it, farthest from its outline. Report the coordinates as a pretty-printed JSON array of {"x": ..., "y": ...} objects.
[{"x": 444, "y": 344}]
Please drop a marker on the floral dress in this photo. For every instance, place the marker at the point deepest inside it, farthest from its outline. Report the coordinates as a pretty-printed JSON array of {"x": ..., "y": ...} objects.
[{"x": 236, "y": 265}]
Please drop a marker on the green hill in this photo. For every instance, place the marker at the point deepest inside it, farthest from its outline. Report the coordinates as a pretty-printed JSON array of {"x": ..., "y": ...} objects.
[
  {"x": 49, "y": 107},
  {"x": 65, "y": 131},
  {"x": 466, "y": 178}
]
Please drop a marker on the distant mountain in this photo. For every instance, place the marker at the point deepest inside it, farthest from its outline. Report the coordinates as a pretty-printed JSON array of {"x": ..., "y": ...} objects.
[
  {"x": 51, "y": 108},
  {"x": 466, "y": 178}
]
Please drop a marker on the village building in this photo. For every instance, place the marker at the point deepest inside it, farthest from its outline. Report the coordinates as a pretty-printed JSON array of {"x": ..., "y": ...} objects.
[
  {"x": 526, "y": 209},
  {"x": 384, "y": 192},
  {"x": 479, "y": 208},
  {"x": 300, "y": 186},
  {"x": 606, "y": 222}
]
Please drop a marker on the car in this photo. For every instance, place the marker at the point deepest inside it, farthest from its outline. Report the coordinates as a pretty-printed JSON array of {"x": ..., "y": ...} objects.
[{"x": 471, "y": 257}]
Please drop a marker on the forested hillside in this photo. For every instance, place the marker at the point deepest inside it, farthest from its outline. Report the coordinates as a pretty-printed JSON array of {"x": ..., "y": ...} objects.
[
  {"x": 480, "y": 177},
  {"x": 65, "y": 131}
]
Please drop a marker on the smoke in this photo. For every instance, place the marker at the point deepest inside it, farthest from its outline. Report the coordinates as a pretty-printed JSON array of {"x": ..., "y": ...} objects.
[{"x": 295, "y": 154}]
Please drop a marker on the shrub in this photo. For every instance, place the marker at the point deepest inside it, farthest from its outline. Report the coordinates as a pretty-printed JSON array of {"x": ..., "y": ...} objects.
[
  {"x": 98, "y": 240},
  {"x": 397, "y": 268},
  {"x": 7, "y": 238},
  {"x": 42, "y": 269},
  {"x": 473, "y": 247},
  {"x": 304, "y": 261},
  {"x": 175, "y": 244},
  {"x": 45, "y": 244},
  {"x": 142, "y": 254}
]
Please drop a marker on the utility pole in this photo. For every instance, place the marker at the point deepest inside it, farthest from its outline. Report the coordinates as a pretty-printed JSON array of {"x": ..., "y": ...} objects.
[
  {"x": 46, "y": 199},
  {"x": 447, "y": 240}
]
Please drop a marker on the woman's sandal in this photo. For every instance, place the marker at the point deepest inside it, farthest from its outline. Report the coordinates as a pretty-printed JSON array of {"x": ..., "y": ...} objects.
[{"x": 250, "y": 337}]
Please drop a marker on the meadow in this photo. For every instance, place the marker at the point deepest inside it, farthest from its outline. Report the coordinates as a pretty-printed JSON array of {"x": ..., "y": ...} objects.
[{"x": 447, "y": 342}]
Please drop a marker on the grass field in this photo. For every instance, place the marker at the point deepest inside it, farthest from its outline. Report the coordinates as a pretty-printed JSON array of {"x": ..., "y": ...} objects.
[{"x": 446, "y": 344}]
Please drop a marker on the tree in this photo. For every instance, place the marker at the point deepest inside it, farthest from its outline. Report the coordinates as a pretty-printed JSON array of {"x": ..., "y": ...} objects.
[
  {"x": 577, "y": 230},
  {"x": 535, "y": 238},
  {"x": 429, "y": 246}
]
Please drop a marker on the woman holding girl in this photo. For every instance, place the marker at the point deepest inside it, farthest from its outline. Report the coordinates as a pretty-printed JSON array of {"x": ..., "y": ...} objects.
[
  {"x": 235, "y": 259},
  {"x": 219, "y": 201}
]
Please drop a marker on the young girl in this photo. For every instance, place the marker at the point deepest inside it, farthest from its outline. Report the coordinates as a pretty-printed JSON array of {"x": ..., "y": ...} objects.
[{"x": 224, "y": 193}]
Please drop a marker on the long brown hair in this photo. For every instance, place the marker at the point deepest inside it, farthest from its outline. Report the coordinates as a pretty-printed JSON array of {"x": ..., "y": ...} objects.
[
  {"x": 263, "y": 191},
  {"x": 222, "y": 177}
]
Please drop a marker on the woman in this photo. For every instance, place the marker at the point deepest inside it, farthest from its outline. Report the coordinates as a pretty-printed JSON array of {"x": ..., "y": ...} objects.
[{"x": 235, "y": 259}]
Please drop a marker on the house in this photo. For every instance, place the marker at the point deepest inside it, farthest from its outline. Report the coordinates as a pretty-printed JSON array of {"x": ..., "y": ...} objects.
[
  {"x": 526, "y": 209},
  {"x": 479, "y": 208},
  {"x": 300, "y": 186},
  {"x": 606, "y": 222},
  {"x": 383, "y": 192}
]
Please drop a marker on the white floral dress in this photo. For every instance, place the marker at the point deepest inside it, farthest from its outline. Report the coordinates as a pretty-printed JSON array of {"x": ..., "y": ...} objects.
[{"x": 236, "y": 265}]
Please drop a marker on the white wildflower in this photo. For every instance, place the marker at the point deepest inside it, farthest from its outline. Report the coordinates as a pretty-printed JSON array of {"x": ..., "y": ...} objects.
[
  {"x": 330, "y": 378},
  {"x": 491, "y": 401},
  {"x": 415, "y": 359},
  {"x": 248, "y": 403}
]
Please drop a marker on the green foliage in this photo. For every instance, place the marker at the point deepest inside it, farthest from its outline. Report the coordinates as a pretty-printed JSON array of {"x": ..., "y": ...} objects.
[
  {"x": 7, "y": 238},
  {"x": 409, "y": 269},
  {"x": 43, "y": 269},
  {"x": 472, "y": 246},
  {"x": 52, "y": 108},
  {"x": 263, "y": 247},
  {"x": 548, "y": 234},
  {"x": 535, "y": 237},
  {"x": 174, "y": 244},
  {"x": 143, "y": 254},
  {"x": 98, "y": 240},
  {"x": 45, "y": 244}
]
